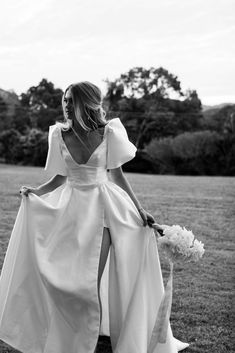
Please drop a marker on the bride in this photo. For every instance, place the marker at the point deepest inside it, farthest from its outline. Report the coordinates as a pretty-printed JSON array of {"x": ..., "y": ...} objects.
[{"x": 82, "y": 260}]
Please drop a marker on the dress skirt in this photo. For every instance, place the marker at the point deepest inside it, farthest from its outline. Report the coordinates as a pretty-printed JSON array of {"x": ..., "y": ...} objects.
[{"x": 49, "y": 300}]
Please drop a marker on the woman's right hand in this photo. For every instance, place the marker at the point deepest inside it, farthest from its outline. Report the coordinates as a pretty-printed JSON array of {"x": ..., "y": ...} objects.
[{"x": 25, "y": 190}]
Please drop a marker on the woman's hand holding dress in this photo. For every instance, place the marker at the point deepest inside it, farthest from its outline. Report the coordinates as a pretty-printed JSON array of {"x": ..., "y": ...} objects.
[
  {"x": 150, "y": 221},
  {"x": 49, "y": 186},
  {"x": 25, "y": 190},
  {"x": 147, "y": 217}
]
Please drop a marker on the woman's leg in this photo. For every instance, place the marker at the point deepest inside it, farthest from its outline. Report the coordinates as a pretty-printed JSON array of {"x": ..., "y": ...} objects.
[{"x": 106, "y": 241}]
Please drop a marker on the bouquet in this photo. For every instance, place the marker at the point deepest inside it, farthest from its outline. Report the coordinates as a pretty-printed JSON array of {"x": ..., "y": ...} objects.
[{"x": 178, "y": 244}]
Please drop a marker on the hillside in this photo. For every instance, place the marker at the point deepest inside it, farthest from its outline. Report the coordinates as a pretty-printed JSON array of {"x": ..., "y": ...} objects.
[
  {"x": 212, "y": 109},
  {"x": 11, "y": 99},
  {"x": 217, "y": 110}
]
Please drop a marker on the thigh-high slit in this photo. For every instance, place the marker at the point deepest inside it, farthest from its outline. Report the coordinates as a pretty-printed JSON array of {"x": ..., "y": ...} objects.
[{"x": 105, "y": 245}]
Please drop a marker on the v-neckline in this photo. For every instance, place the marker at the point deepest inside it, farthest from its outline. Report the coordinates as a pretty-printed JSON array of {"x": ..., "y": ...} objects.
[{"x": 80, "y": 164}]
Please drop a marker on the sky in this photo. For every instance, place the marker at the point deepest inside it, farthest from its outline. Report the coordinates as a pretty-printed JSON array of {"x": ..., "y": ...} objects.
[{"x": 68, "y": 41}]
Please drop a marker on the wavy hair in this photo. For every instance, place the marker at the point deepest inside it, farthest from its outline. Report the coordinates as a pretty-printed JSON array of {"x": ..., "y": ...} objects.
[{"x": 87, "y": 101}]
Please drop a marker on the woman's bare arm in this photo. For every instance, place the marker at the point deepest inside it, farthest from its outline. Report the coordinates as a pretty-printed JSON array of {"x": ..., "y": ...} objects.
[
  {"x": 120, "y": 179},
  {"x": 49, "y": 186}
]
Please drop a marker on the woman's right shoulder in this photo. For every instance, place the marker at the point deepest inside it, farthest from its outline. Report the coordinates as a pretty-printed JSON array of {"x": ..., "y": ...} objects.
[
  {"x": 55, "y": 128},
  {"x": 54, "y": 132}
]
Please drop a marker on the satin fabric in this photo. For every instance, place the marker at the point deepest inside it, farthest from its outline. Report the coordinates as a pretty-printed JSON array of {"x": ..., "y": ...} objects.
[{"x": 48, "y": 285}]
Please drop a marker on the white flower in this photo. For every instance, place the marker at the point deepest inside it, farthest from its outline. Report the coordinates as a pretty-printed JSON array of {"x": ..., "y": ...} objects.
[
  {"x": 170, "y": 231},
  {"x": 197, "y": 250},
  {"x": 179, "y": 244}
]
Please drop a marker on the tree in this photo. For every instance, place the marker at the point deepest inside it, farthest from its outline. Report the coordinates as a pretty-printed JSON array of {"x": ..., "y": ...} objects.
[
  {"x": 196, "y": 153},
  {"x": 139, "y": 82},
  {"x": 8, "y": 104},
  {"x": 146, "y": 102},
  {"x": 21, "y": 120},
  {"x": 3, "y": 106},
  {"x": 34, "y": 147},
  {"x": 44, "y": 104},
  {"x": 10, "y": 146},
  {"x": 3, "y": 115}
]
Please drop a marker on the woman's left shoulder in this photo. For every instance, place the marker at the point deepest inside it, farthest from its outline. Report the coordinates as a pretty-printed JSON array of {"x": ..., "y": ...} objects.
[
  {"x": 120, "y": 148},
  {"x": 115, "y": 124},
  {"x": 114, "y": 121}
]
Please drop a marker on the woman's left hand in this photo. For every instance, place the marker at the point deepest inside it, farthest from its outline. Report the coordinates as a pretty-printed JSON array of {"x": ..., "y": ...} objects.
[{"x": 148, "y": 219}]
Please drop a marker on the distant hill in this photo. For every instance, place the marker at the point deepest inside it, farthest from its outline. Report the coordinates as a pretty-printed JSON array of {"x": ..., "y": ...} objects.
[
  {"x": 210, "y": 110},
  {"x": 11, "y": 99},
  {"x": 215, "y": 107}
]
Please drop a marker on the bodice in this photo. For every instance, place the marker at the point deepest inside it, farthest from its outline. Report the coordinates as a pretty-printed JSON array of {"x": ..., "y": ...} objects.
[
  {"x": 114, "y": 150},
  {"x": 85, "y": 175},
  {"x": 93, "y": 172}
]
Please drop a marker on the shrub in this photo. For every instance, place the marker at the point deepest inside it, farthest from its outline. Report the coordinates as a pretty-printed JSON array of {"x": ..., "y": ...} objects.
[
  {"x": 30, "y": 149},
  {"x": 195, "y": 153},
  {"x": 10, "y": 146},
  {"x": 34, "y": 147}
]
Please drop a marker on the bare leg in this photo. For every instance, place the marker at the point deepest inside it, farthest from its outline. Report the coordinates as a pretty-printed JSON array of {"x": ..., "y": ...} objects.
[{"x": 106, "y": 241}]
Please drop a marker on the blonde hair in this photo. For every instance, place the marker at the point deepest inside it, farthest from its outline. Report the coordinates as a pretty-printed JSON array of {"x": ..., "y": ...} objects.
[{"x": 87, "y": 101}]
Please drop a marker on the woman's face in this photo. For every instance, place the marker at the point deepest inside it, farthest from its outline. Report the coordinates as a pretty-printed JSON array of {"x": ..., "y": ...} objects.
[{"x": 68, "y": 105}]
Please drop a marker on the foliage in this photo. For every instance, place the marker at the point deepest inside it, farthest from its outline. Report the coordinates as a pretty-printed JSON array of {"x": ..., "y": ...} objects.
[
  {"x": 28, "y": 149},
  {"x": 196, "y": 153},
  {"x": 146, "y": 102},
  {"x": 44, "y": 104},
  {"x": 3, "y": 106},
  {"x": 139, "y": 82},
  {"x": 21, "y": 120},
  {"x": 44, "y": 95},
  {"x": 3, "y": 115},
  {"x": 10, "y": 146},
  {"x": 34, "y": 147},
  {"x": 167, "y": 125}
]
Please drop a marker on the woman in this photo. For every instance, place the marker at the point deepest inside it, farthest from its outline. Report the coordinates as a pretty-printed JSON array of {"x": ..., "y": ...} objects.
[{"x": 74, "y": 230}]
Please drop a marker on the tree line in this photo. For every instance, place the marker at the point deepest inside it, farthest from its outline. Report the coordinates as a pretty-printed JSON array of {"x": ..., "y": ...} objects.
[{"x": 171, "y": 132}]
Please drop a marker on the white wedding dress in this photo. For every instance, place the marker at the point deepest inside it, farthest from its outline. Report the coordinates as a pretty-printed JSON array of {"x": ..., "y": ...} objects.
[{"x": 48, "y": 285}]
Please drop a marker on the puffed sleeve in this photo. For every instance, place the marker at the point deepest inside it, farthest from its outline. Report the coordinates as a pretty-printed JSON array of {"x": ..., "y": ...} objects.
[
  {"x": 55, "y": 163},
  {"x": 119, "y": 149}
]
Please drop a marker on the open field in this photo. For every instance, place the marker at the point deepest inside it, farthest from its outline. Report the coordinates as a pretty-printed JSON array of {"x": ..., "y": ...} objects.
[{"x": 202, "y": 311}]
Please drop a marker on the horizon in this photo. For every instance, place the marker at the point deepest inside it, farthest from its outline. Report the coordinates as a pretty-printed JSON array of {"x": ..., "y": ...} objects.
[
  {"x": 203, "y": 104},
  {"x": 77, "y": 41}
]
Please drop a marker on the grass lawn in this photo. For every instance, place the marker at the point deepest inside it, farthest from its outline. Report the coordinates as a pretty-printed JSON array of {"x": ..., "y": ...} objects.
[{"x": 202, "y": 309}]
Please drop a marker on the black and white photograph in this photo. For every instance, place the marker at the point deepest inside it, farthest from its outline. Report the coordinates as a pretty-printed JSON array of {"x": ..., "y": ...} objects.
[{"x": 117, "y": 176}]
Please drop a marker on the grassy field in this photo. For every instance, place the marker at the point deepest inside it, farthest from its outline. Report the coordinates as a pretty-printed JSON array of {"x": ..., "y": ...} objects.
[{"x": 202, "y": 310}]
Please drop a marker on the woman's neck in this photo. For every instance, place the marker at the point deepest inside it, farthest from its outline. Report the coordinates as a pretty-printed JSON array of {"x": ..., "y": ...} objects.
[{"x": 79, "y": 129}]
